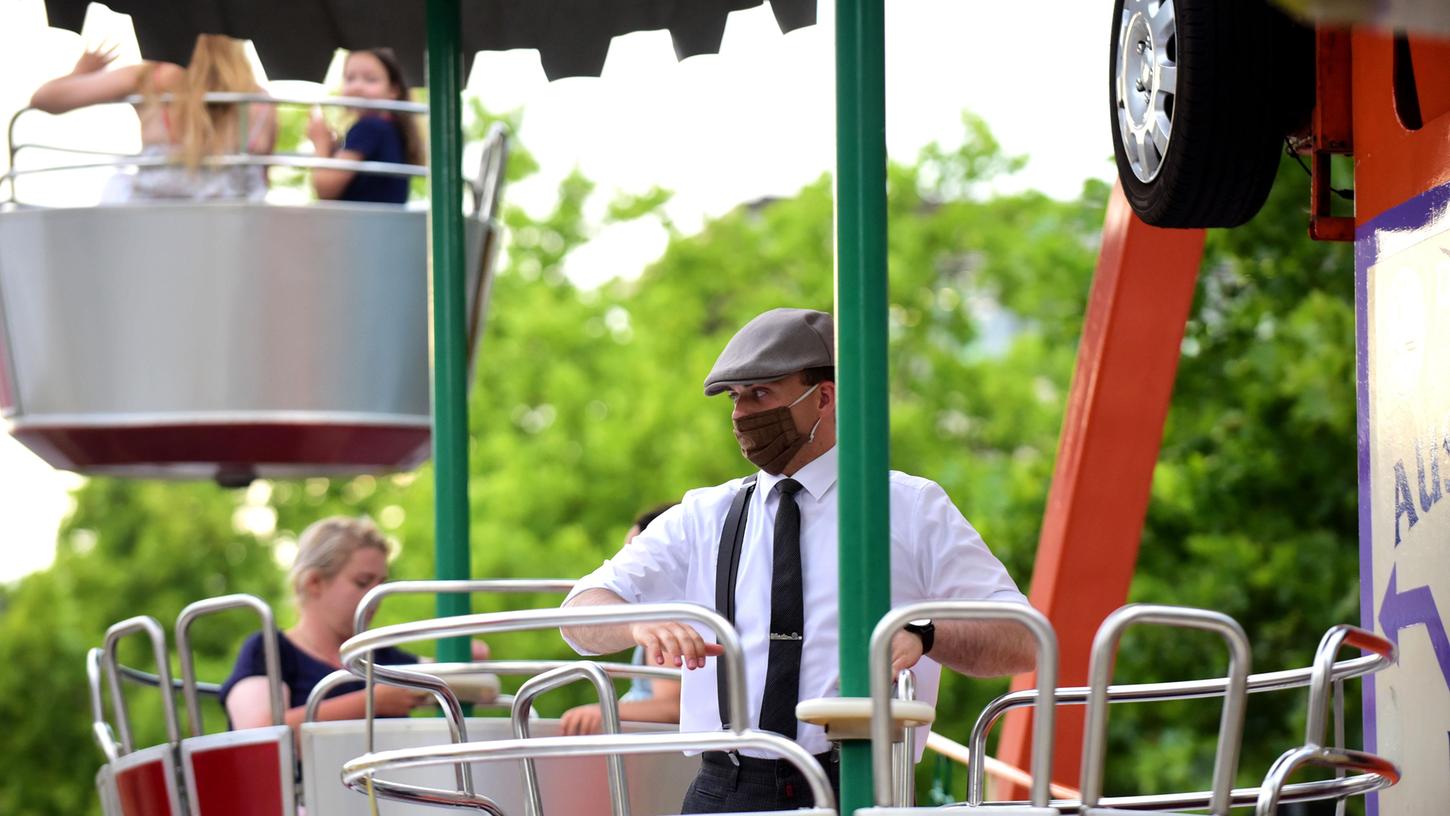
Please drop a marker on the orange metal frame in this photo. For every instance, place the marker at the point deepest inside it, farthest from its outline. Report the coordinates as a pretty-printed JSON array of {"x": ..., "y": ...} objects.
[{"x": 1141, "y": 295}]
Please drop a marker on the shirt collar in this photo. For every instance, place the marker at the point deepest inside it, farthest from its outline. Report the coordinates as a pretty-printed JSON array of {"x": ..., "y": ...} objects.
[{"x": 817, "y": 477}]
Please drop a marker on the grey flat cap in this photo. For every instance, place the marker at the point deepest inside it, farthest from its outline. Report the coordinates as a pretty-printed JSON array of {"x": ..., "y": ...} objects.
[{"x": 775, "y": 344}]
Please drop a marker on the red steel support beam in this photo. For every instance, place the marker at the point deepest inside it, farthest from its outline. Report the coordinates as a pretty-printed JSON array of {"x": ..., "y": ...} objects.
[{"x": 1142, "y": 291}]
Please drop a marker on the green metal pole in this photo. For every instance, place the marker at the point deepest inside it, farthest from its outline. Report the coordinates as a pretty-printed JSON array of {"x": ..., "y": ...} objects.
[
  {"x": 450, "y": 343},
  {"x": 865, "y": 575}
]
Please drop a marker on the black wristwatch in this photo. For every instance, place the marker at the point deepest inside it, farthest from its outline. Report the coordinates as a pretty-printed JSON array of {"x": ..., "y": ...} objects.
[{"x": 924, "y": 629}]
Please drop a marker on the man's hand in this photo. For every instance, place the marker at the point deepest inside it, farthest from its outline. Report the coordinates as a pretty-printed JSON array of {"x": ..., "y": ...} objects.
[
  {"x": 905, "y": 651},
  {"x": 673, "y": 644},
  {"x": 585, "y": 719}
]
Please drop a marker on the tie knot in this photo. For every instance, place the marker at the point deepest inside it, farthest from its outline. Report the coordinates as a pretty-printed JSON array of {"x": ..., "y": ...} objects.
[{"x": 789, "y": 487}]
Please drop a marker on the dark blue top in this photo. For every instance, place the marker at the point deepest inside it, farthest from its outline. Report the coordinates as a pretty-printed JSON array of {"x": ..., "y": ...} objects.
[
  {"x": 378, "y": 139},
  {"x": 301, "y": 672}
]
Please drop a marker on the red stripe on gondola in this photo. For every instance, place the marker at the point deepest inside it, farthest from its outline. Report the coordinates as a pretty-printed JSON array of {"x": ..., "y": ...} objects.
[
  {"x": 239, "y": 780},
  {"x": 142, "y": 790},
  {"x": 230, "y": 446}
]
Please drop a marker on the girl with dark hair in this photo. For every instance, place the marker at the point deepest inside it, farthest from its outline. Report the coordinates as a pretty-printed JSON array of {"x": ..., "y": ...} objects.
[{"x": 380, "y": 136}]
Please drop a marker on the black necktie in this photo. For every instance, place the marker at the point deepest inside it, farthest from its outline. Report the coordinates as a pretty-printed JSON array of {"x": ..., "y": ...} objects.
[{"x": 787, "y": 619}]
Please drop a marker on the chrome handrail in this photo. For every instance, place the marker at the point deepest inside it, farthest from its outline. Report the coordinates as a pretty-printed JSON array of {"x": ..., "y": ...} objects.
[
  {"x": 152, "y": 629},
  {"x": 1313, "y": 751},
  {"x": 237, "y": 97},
  {"x": 1104, "y": 650},
  {"x": 357, "y": 773},
  {"x": 300, "y": 160},
  {"x": 488, "y": 187},
  {"x": 880, "y": 651},
  {"x": 609, "y": 713},
  {"x": 532, "y": 667},
  {"x": 355, "y": 649},
  {"x": 356, "y": 655},
  {"x": 1140, "y": 693},
  {"x": 905, "y": 751},
  {"x": 1243, "y": 797},
  {"x": 221, "y": 97},
  {"x": 1377, "y": 768},
  {"x": 100, "y": 729},
  {"x": 270, "y": 653},
  {"x": 500, "y": 667},
  {"x": 147, "y": 679},
  {"x": 374, "y": 597},
  {"x": 1323, "y": 670}
]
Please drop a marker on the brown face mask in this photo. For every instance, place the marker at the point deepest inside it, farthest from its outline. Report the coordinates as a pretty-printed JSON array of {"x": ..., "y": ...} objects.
[{"x": 770, "y": 439}]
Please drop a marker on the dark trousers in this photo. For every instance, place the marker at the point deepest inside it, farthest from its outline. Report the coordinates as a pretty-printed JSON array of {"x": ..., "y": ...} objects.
[{"x": 754, "y": 784}]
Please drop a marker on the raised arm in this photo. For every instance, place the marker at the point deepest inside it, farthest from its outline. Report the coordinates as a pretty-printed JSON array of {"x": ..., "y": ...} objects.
[{"x": 90, "y": 84}]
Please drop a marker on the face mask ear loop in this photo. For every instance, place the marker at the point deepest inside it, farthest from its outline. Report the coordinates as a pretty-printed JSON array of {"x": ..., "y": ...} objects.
[
  {"x": 811, "y": 437},
  {"x": 803, "y": 396}
]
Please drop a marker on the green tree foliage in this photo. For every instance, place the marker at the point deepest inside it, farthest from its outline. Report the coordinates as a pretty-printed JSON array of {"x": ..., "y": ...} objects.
[{"x": 587, "y": 407}]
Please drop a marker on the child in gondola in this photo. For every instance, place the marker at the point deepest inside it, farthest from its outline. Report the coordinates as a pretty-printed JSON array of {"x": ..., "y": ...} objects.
[
  {"x": 180, "y": 133},
  {"x": 377, "y": 136}
]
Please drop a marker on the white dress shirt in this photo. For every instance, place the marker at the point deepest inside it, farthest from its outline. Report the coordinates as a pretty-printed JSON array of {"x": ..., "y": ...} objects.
[{"x": 935, "y": 555}]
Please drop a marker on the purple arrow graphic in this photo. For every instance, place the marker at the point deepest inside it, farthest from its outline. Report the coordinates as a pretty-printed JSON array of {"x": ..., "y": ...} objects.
[{"x": 1414, "y": 607}]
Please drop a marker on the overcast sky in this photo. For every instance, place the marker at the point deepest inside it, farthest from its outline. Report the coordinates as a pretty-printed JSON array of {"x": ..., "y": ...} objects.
[{"x": 755, "y": 120}]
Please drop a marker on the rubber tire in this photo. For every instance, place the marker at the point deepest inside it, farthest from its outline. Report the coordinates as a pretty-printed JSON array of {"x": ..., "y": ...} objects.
[{"x": 1228, "y": 121}]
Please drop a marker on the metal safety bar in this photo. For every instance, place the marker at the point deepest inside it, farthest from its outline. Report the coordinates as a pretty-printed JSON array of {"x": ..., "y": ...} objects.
[
  {"x": 430, "y": 680},
  {"x": 357, "y": 773},
  {"x": 904, "y": 753},
  {"x": 609, "y": 713},
  {"x": 295, "y": 160},
  {"x": 1100, "y": 667},
  {"x": 1313, "y": 751},
  {"x": 356, "y": 656},
  {"x": 1144, "y": 692},
  {"x": 488, "y": 187},
  {"x": 1035, "y": 622},
  {"x": 355, "y": 650},
  {"x": 243, "y": 160},
  {"x": 152, "y": 629},
  {"x": 270, "y": 653},
  {"x": 142, "y": 678},
  {"x": 421, "y": 681},
  {"x": 369, "y": 603},
  {"x": 526, "y": 668},
  {"x": 1373, "y": 767},
  {"x": 100, "y": 729}
]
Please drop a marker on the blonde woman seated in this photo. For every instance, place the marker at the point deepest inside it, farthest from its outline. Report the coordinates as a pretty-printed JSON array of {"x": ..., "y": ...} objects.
[
  {"x": 186, "y": 129},
  {"x": 338, "y": 560}
]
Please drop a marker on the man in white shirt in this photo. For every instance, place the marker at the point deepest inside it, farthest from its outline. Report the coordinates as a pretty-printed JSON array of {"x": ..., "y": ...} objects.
[{"x": 779, "y": 371}]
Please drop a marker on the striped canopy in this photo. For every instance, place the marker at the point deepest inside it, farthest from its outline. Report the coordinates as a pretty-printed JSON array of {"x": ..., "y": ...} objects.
[{"x": 296, "y": 38}]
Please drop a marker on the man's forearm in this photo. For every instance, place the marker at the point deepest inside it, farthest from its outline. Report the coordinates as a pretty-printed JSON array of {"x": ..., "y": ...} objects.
[
  {"x": 984, "y": 648},
  {"x": 598, "y": 638}
]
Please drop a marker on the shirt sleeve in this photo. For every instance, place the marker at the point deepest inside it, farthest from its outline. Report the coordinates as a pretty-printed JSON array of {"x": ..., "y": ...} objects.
[
  {"x": 953, "y": 562},
  {"x": 251, "y": 662},
  {"x": 649, "y": 569},
  {"x": 367, "y": 136}
]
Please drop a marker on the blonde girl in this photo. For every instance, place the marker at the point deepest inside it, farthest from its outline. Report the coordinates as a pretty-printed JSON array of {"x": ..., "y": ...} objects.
[
  {"x": 187, "y": 128},
  {"x": 338, "y": 560}
]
